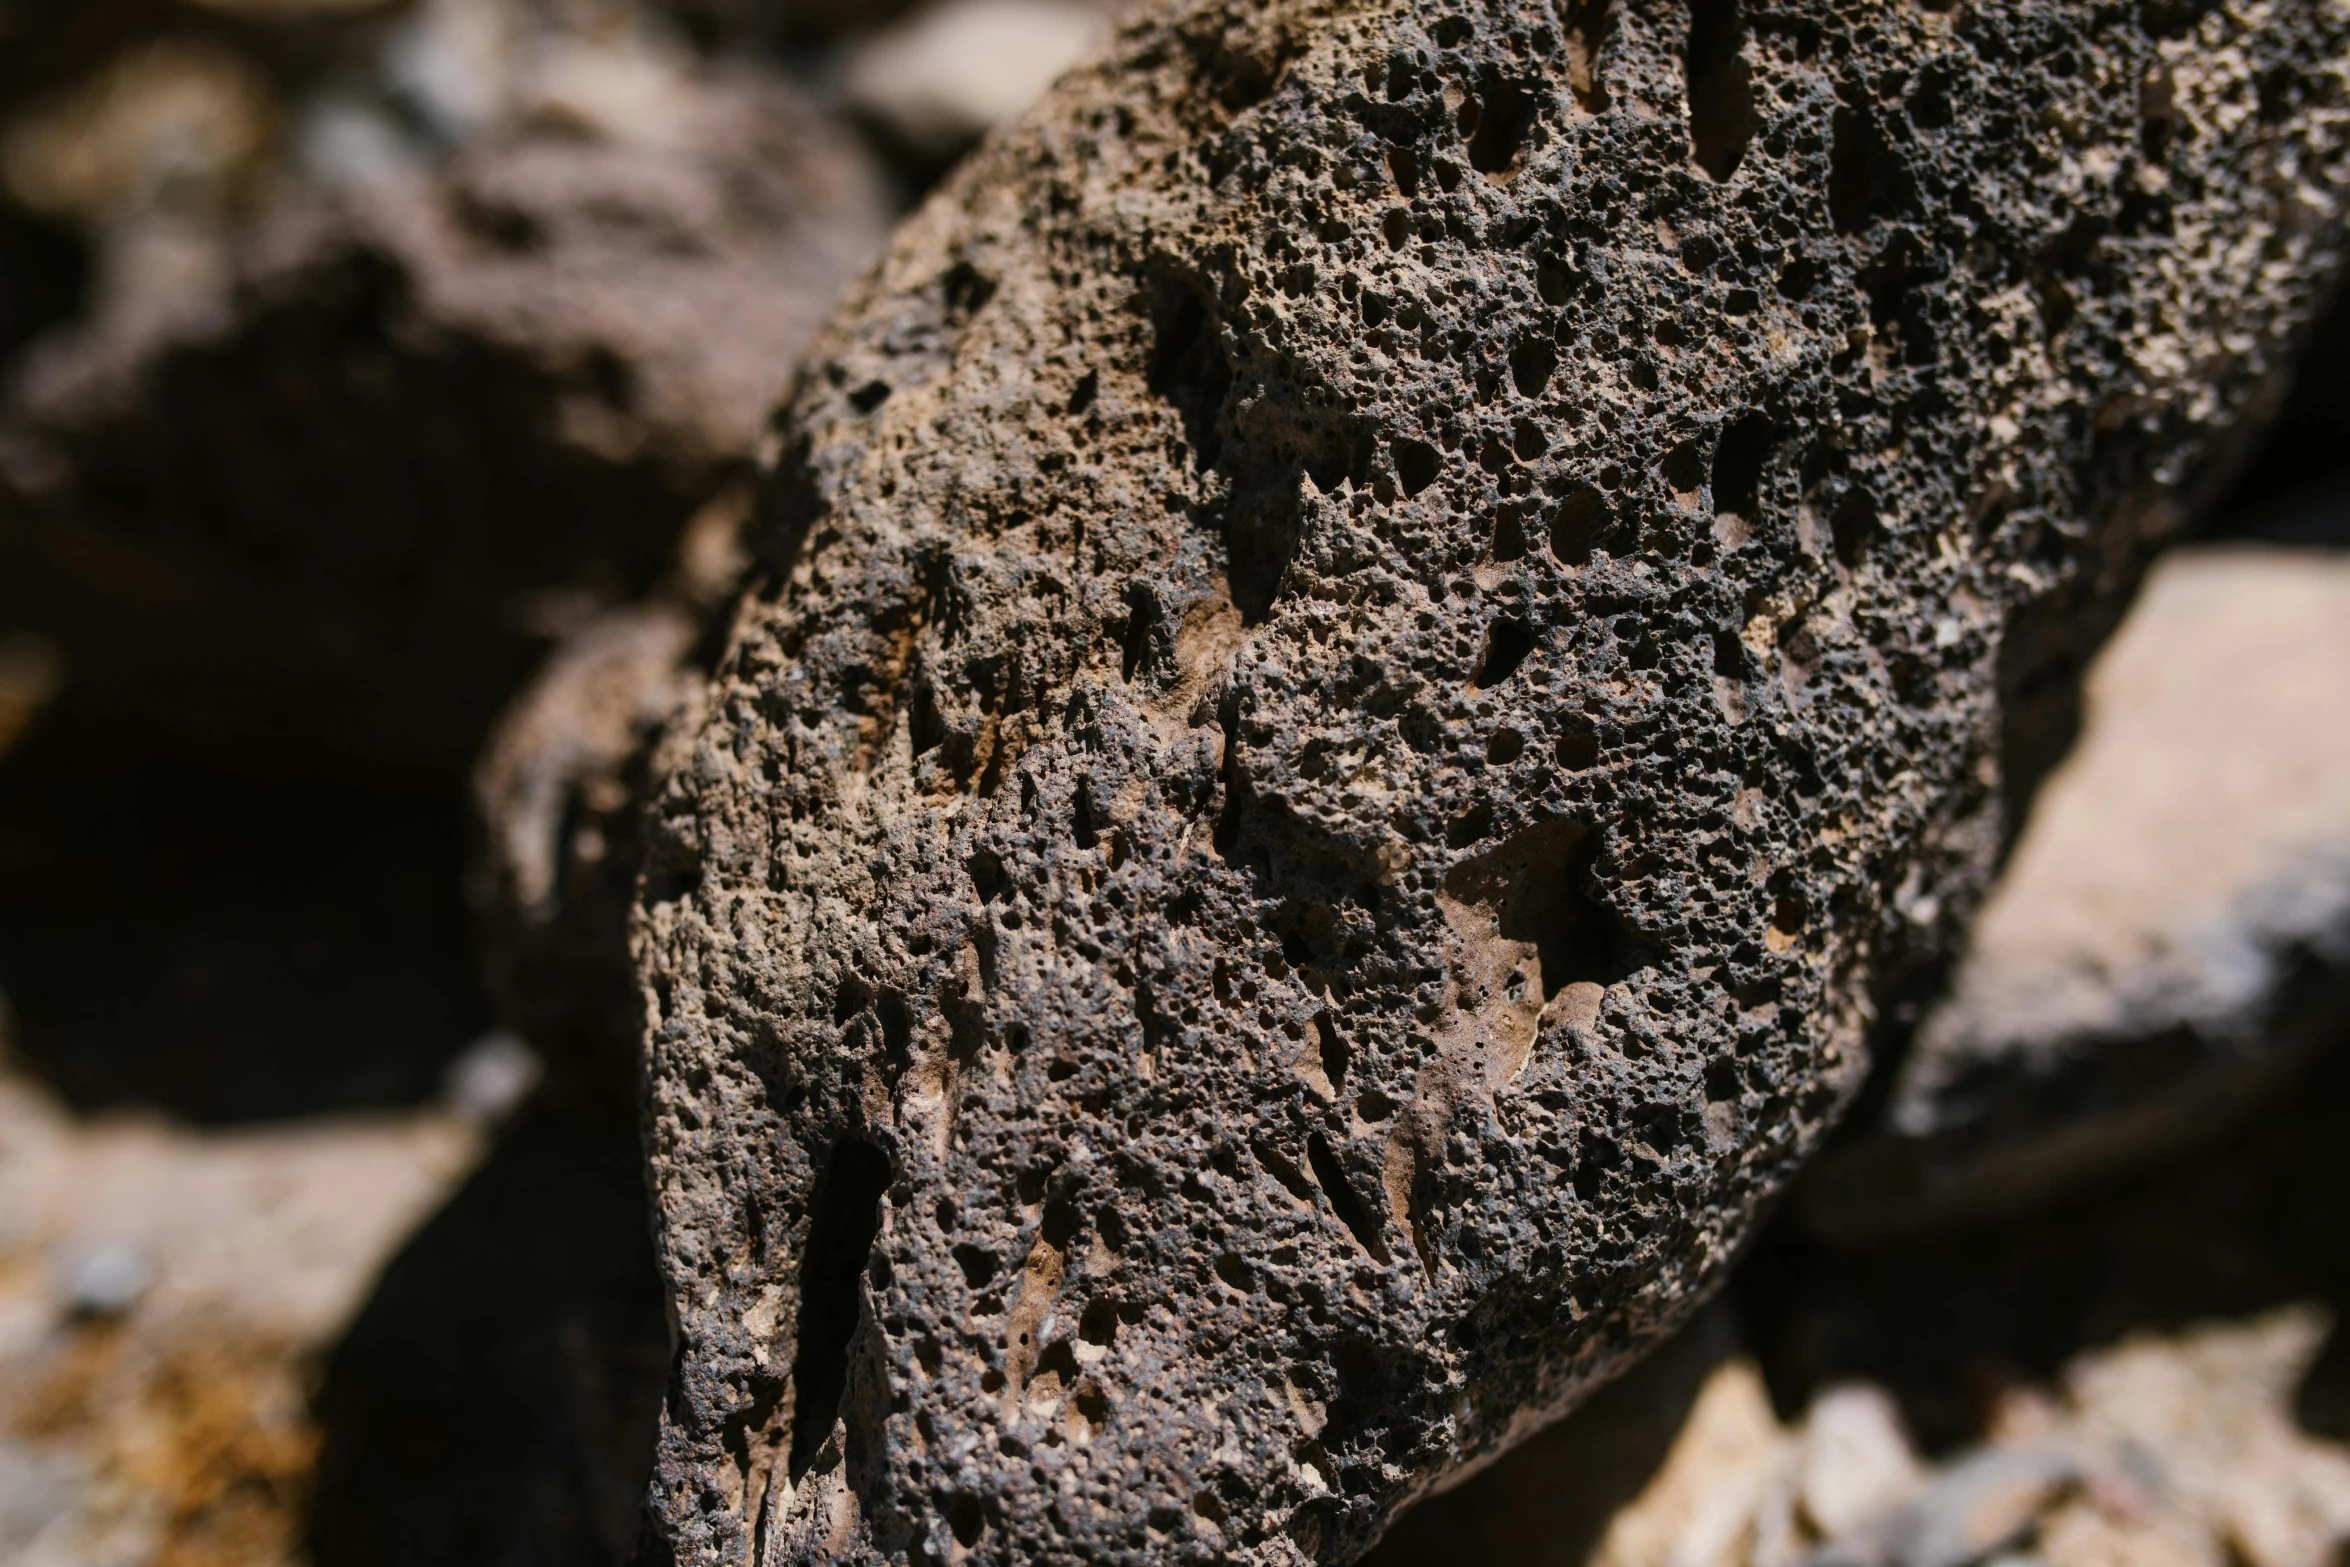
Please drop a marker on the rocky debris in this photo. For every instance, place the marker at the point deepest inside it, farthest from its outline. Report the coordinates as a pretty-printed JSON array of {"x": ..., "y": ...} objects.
[
  {"x": 165, "y": 1296},
  {"x": 2172, "y": 932},
  {"x": 423, "y": 1339},
  {"x": 1376, "y": 644},
  {"x": 2168, "y": 1447},
  {"x": 437, "y": 421},
  {"x": 2175, "y": 1447},
  {"x": 940, "y": 79},
  {"x": 476, "y": 305},
  {"x": 152, "y": 156}
]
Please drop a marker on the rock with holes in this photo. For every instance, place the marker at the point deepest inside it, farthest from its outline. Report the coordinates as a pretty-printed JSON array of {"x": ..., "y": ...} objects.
[
  {"x": 2172, "y": 934},
  {"x": 322, "y": 515},
  {"x": 1375, "y": 644}
]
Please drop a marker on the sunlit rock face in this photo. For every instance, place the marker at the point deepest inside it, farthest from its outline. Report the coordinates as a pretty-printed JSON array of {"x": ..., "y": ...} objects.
[{"x": 1379, "y": 641}]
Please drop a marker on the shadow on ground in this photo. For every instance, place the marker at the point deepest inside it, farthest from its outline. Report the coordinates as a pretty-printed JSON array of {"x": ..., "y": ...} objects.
[
  {"x": 223, "y": 948},
  {"x": 494, "y": 1402}
]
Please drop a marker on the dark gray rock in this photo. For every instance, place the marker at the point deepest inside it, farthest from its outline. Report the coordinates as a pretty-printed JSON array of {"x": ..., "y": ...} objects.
[{"x": 1376, "y": 644}]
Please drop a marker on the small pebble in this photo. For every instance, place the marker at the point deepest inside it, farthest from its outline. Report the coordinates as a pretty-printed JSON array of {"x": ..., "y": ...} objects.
[
  {"x": 107, "y": 1279},
  {"x": 493, "y": 1075}
]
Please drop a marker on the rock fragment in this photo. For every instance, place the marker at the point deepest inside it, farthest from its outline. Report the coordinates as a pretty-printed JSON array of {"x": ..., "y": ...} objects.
[
  {"x": 436, "y": 423},
  {"x": 940, "y": 79},
  {"x": 2172, "y": 934},
  {"x": 2166, "y": 1448},
  {"x": 1375, "y": 643},
  {"x": 558, "y": 793}
]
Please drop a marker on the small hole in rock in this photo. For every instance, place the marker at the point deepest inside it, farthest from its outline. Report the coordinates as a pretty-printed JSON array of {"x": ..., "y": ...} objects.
[
  {"x": 966, "y": 1518},
  {"x": 979, "y": 1265},
  {"x": 1099, "y": 1325},
  {"x": 1684, "y": 468},
  {"x": 1577, "y": 526},
  {"x": 1404, "y": 165},
  {"x": 1507, "y": 642},
  {"x": 1415, "y": 464},
  {"x": 967, "y": 291},
  {"x": 1722, "y": 1083},
  {"x": 844, "y": 1218},
  {"x": 1721, "y": 87},
  {"x": 1352, "y": 1211},
  {"x": 1533, "y": 887},
  {"x": 1509, "y": 537},
  {"x": 1738, "y": 467},
  {"x": 1854, "y": 524},
  {"x": 1335, "y": 1055},
  {"x": 1504, "y": 115},
  {"x": 1532, "y": 363}
]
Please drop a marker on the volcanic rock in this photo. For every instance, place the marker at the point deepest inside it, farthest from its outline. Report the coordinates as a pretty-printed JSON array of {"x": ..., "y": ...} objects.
[{"x": 1375, "y": 645}]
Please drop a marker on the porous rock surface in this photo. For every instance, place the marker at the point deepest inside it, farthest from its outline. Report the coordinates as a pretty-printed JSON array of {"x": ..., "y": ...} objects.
[
  {"x": 2172, "y": 934},
  {"x": 1378, "y": 636}
]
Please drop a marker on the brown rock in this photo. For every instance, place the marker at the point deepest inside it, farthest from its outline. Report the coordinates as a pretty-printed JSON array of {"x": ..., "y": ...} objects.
[{"x": 436, "y": 423}]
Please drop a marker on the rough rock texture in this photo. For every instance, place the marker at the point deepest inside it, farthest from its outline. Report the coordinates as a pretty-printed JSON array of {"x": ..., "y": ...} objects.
[
  {"x": 436, "y": 422},
  {"x": 1379, "y": 637},
  {"x": 2173, "y": 930}
]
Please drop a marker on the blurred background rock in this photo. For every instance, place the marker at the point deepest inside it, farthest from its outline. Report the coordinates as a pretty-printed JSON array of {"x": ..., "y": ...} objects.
[{"x": 379, "y": 380}]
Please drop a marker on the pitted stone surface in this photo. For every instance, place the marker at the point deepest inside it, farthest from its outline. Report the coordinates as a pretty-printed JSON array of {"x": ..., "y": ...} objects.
[{"x": 1378, "y": 640}]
